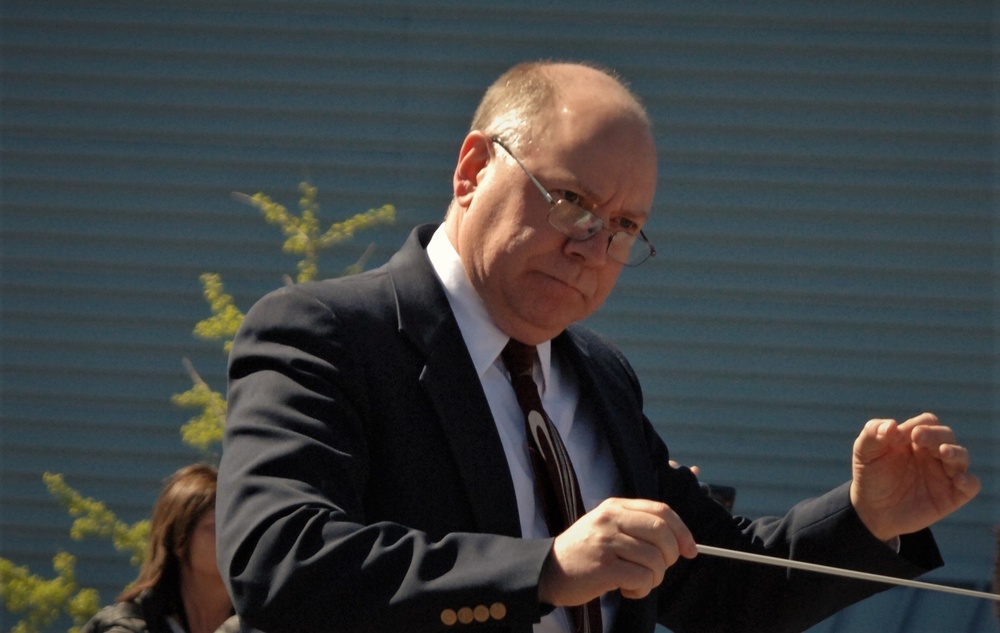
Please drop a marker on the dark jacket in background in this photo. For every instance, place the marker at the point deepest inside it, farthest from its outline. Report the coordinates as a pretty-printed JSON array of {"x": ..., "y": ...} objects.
[{"x": 148, "y": 614}]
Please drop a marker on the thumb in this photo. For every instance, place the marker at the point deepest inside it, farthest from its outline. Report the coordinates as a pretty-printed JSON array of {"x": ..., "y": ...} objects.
[{"x": 875, "y": 439}]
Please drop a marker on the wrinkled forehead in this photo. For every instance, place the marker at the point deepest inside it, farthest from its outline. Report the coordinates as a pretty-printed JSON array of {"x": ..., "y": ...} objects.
[
  {"x": 614, "y": 156},
  {"x": 595, "y": 111}
]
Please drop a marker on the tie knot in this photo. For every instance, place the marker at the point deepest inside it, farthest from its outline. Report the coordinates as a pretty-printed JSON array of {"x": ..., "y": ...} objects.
[{"x": 518, "y": 357}]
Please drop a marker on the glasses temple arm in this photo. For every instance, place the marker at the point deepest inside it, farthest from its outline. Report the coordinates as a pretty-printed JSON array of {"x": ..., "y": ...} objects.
[{"x": 531, "y": 177}]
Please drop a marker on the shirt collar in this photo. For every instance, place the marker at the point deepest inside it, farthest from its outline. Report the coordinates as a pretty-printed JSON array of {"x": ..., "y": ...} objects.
[{"x": 483, "y": 338}]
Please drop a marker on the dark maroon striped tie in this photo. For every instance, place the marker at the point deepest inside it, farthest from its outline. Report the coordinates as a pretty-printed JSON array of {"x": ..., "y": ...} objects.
[{"x": 555, "y": 480}]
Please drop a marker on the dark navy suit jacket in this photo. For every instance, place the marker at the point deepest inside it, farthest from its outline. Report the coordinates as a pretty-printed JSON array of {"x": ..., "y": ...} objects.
[{"x": 363, "y": 485}]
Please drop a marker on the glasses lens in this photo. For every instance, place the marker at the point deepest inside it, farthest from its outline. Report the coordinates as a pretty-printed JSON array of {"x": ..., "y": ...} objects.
[
  {"x": 628, "y": 249},
  {"x": 573, "y": 221},
  {"x": 577, "y": 223}
]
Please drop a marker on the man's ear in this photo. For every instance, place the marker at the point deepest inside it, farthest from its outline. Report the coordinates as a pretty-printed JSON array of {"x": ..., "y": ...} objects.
[{"x": 475, "y": 155}]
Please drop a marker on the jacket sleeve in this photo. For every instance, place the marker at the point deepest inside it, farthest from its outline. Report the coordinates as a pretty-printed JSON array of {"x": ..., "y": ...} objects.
[
  {"x": 122, "y": 617},
  {"x": 709, "y": 594},
  {"x": 298, "y": 545}
]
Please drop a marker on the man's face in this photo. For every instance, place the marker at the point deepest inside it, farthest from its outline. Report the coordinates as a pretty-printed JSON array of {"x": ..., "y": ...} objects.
[{"x": 534, "y": 280}]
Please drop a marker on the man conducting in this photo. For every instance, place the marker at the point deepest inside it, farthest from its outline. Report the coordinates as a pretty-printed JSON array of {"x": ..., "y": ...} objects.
[{"x": 436, "y": 445}]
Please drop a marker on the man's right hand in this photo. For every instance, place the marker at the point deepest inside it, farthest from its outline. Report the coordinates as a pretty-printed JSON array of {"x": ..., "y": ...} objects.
[{"x": 625, "y": 544}]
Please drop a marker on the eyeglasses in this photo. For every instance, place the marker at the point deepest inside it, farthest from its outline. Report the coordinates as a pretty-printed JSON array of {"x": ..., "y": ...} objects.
[{"x": 580, "y": 224}]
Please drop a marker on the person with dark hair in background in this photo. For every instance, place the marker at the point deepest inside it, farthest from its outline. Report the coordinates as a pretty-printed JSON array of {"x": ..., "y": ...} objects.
[
  {"x": 438, "y": 445},
  {"x": 179, "y": 589}
]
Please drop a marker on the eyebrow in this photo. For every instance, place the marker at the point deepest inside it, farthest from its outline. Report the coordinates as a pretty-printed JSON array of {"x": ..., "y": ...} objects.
[
  {"x": 589, "y": 195},
  {"x": 584, "y": 191}
]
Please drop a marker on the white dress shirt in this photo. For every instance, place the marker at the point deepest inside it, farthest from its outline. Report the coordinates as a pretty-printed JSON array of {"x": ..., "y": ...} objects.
[{"x": 559, "y": 389}]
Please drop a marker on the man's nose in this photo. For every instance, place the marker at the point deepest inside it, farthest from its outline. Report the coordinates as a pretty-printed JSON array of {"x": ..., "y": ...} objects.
[{"x": 594, "y": 250}]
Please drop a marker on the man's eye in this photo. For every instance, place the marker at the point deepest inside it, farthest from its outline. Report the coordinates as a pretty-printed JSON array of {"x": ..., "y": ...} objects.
[
  {"x": 624, "y": 224},
  {"x": 569, "y": 196}
]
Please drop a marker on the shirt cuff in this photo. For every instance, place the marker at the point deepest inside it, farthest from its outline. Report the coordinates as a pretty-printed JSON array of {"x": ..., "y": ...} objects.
[{"x": 893, "y": 544}]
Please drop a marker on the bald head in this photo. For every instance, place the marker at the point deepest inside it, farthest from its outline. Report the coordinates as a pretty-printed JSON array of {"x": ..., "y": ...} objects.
[{"x": 522, "y": 101}]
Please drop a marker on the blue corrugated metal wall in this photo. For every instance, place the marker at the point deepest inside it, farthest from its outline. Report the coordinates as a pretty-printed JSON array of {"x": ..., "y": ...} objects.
[{"x": 826, "y": 220}]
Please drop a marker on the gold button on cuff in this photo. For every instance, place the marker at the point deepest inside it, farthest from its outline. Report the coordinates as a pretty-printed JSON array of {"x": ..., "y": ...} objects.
[
  {"x": 498, "y": 610},
  {"x": 465, "y": 615},
  {"x": 449, "y": 617},
  {"x": 481, "y": 613}
]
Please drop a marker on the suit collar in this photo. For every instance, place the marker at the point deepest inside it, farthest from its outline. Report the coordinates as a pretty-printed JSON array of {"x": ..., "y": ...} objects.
[{"x": 421, "y": 306}]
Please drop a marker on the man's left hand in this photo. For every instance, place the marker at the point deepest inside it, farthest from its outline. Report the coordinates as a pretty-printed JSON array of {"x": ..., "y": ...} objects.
[{"x": 908, "y": 476}]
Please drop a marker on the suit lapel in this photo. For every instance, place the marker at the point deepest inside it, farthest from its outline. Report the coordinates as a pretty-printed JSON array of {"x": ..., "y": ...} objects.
[
  {"x": 606, "y": 391},
  {"x": 605, "y": 388},
  {"x": 453, "y": 387}
]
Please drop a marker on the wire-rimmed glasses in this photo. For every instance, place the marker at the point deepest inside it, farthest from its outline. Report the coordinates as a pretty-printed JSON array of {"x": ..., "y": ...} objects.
[{"x": 581, "y": 224}]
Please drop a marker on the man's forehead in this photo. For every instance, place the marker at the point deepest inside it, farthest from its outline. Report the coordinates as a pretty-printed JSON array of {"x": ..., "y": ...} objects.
[
  {"x": 580, "y": 87},
  {"x": 605, "y": 159}
]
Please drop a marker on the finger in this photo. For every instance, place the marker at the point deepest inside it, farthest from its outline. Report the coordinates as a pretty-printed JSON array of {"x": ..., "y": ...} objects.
[
  {"x": 968, "y": 485},
  {"x": 956, "y": 461},
  {"x": 877, "y": 436},
  {"x": 641, "y": 588},
  {"x": 694, "y": 469},
  {"x": 656, "y": 523},
  {"x": 924, "y": 419},
  {"x": 601, "y": 552},
  {"x": 939, "y": 440},
  {"x": 932, "y": 436},
  {"x": 633, "y": 595},
  {"x": 955, "y": 458},
  {"x": 640, "y": 566}
]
